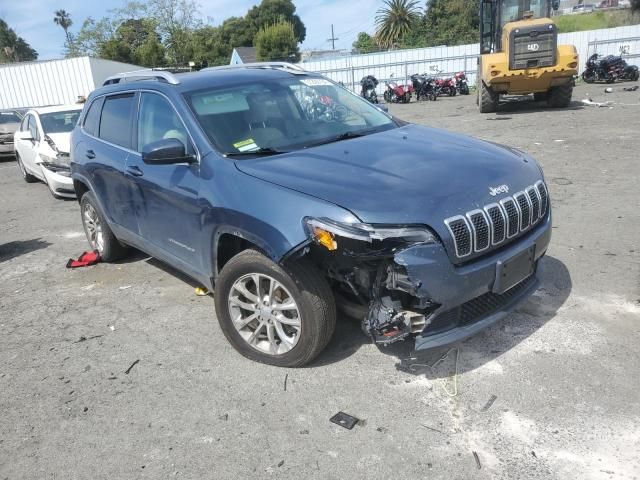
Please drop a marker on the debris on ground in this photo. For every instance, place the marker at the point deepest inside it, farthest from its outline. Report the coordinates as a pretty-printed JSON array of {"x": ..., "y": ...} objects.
[
  {"x": 344, "y": 420},
  {"x": 84, "y": 339},
  {"x": 608, "y": 90},
  {"x": 280, "y": 463},
  {"x": 124, "y": 287},
  {"x": 112, "y": 328},
  {"x": 286, "y": 377},
  {"x": 591, "y": 103},
  {"x": 85, "y": 260},
  {"x": 431, "y": 428},
  {"x": 475, "y": 455},
  {"x": 631, "y": 89},
  {"x": 224, "y": 417},
  {"x": 443, "y": 382},
  {"x": 487, "y": 405},
  {"x": 201, "y": 291},
  {"x": 126, "y": 372}
]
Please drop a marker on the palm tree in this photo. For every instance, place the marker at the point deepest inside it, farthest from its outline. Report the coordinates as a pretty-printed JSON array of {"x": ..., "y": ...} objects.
[
  {"x": 63, "y": 19},
  {"x": 394, "y": 20}
]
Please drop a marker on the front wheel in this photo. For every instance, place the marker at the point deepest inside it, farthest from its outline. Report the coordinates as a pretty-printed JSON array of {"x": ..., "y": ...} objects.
[
  {"x": 487, "y": 99},
  {"x": 274, "y": 315},
  {"x": 588, "y": 77},
  {"x": 99, "y": 235},
  {"x": 560, "y": 97}
]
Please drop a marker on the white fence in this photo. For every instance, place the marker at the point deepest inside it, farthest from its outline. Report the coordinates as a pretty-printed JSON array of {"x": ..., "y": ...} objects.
[{"x": 446, "y": 61}]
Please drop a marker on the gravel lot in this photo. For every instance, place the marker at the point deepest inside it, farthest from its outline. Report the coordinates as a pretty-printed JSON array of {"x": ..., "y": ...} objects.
[{"x": 564, "y": 368}]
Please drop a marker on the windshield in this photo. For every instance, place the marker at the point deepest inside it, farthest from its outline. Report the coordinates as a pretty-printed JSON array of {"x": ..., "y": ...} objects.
[
  {"x": 9, "y": 117},
  {"x": 59, "y": 122},
  {"x": 513, "y": 10},
  {"x": 283, "y": 115}
]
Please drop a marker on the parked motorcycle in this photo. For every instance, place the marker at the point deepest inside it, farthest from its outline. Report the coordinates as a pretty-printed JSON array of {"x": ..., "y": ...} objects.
[
  {"x": 396, "y": 93},
  {"x": 609, "y": 69},
  {"x": 461, "y": 83},
  {"x": 368, "y": 91},
  {"x": 424, "y": 87},
  {"x": 446, "y": 86}
]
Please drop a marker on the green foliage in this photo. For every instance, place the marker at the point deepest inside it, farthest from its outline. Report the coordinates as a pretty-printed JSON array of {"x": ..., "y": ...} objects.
[
  {"x": 277, "y": 43},
  {"x": 452, "y": 22},
  {"x": 395, "y": 20},
  {"x": 63, "y": 18},
  {"x": 270, "y": 12},
  {"x": 14, "y": 48},
  {"x": 365, "y": 43},
  {"x": 595, "y": 20}
]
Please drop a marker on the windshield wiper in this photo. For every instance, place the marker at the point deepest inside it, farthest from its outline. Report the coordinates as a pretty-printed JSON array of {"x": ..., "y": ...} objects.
[
  {"x": 342, "y": 136},
  {"x": 260, "y": 152}
]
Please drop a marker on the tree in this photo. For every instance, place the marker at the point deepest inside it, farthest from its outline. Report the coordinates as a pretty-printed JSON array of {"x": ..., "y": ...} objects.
[
  {"x": 365, "y": 43},
  {"x": 452, "y": 22},
  {"x": 176, "y": 21},
  {"x": 277, "y": 43},
  {"x": 63, "y": 18},
  {"x": 270, "y": 12},
  {"x": 14, "y": 48},
  {"x": 395, "y": 20}
]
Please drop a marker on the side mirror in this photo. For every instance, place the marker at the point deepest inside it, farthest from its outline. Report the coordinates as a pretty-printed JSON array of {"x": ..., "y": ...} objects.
[
  {"x": 166, "y": 152},
  {"x": 556, "y": 4},
  {"x": 382, "y": 107},
  {"x": 24, "y": 135}
]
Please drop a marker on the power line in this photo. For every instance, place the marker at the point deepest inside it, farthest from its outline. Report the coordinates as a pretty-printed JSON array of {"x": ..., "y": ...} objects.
[{"x": 332, "y": 39}]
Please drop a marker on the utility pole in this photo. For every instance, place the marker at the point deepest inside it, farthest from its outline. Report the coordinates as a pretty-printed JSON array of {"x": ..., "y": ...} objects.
[{"x": 332, "y": 39}]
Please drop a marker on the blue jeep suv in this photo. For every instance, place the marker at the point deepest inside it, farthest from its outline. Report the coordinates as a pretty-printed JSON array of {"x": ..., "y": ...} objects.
[{"x": 290, "y": 196}]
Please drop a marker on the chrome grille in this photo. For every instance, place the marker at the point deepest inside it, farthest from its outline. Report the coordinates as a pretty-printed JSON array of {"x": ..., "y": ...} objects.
[{"x": 493, "y": 225}]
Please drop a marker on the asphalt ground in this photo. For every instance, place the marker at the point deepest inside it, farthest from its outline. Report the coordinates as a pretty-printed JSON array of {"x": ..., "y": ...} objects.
[{"x": 550, "y": 393}]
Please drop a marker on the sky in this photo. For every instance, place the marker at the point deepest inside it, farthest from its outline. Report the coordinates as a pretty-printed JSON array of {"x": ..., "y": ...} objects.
[{"x": 33, "y": 19}]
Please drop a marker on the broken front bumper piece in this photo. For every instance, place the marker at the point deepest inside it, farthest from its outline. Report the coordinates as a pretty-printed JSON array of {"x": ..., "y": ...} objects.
[{"x": 451, "y": 303}]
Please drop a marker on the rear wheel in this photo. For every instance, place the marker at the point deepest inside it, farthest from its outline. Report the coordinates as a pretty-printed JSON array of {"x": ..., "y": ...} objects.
[
  {"x": 25, "y": 175},
  {"x": 560, "y": 97},
  {"x": 487, "y": 99},
  {"x": 274, "y": 315},
  {"x": 99, "y": 235}
]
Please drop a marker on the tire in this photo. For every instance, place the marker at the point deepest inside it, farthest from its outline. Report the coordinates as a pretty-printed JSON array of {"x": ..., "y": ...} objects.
[
  {"x": 560, "y": 97},
  {"x": 25, "y": 175},
  {"x": 487, "y": 99},
  {"x": 109, "y": 247},
  {"x": 301, "y": 281},
  {"x": 540, "y": 96},
  {"x": 588, "y": 78}
]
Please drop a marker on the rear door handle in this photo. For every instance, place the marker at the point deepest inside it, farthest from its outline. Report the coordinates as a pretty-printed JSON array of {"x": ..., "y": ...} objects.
[
  {"x": 90, "y": 154},
  {"x": 135, "y": 171}
]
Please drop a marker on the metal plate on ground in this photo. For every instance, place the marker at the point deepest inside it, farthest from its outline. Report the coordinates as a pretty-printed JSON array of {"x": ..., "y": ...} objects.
[
  {"x": 344, "y": 420},
  {"x": 513, "y": 271}
]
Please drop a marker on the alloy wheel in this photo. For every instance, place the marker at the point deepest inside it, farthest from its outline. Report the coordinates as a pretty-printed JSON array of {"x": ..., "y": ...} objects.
[
  {"x": 93, "y": 227},
  {"x": 264, "y": 313}
]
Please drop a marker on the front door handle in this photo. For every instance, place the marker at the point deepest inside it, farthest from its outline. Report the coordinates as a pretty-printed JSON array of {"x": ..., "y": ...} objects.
[
  {"x": 90, "y": 154},
  {"x": 135, "y": 171}
]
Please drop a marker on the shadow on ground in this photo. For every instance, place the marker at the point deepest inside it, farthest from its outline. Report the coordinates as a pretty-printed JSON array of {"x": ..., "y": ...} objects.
[
  {"x": 17, "y": 248},
  {"x": 476, "y": 351}
]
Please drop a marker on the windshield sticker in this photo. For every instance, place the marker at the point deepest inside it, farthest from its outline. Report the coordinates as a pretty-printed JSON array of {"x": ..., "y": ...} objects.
[
  {"x": 316, "y": 82},
  {"x": 248, "y": 145}
]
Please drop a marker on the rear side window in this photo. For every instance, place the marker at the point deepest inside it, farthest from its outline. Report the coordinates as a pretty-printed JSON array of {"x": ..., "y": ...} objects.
[
  {"x": 33, "y": 128},
  {"x": 115, "y": 122},
  {"x": 92, "y": 119}
]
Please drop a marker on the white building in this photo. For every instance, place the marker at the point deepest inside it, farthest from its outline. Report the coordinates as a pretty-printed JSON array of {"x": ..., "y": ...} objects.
[{"x": 54, "y": 82}]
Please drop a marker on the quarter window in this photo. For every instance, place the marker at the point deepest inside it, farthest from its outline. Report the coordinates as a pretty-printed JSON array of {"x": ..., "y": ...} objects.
[
  {"x": 115, "y": 121},
  {"x": 92, "y": 118},
  {"x": 158, "y": 120},
  {"x": 33, "y": 128}
]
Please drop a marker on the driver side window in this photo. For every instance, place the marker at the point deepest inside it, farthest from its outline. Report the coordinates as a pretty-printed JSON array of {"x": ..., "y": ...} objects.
[
  {"x": 157, "y": 120},
  {"x": 33, "y": 128}
]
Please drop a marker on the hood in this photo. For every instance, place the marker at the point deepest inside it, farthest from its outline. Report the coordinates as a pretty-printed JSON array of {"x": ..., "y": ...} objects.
[
  {"x": 8, "y": 128},
  {"x": 408, "y": 175},
  {"x": 62, "y": 141}
]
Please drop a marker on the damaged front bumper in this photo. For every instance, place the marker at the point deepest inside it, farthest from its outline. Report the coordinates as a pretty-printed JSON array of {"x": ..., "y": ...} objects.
[{"x": 454, "y": 302}]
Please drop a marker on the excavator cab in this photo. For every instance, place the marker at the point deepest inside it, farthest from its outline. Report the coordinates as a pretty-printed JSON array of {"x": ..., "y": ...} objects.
[{"x": 520, "y": 55}]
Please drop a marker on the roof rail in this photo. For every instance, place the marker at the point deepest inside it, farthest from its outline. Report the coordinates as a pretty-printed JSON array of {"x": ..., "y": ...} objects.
[
  {"x": 146, "y": 74},
  {"x": 285, "y": 66}
]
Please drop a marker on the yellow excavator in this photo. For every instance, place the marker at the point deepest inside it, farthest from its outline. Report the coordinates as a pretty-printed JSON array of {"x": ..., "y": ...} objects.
[{"x": 519, "y": 54}]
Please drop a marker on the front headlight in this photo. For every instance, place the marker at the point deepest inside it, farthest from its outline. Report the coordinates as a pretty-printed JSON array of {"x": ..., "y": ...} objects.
[{"x": 323, "y": 231}]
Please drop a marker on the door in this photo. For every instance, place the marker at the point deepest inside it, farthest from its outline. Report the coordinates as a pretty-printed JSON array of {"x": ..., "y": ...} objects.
[
  {"x": 105, "y": 158},
  {"x": 166, "y": 196},
  {"x": 28, "y": 148}
]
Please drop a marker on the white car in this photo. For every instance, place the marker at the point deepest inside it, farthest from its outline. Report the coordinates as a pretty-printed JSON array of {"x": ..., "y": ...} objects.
[{"x": 42, "y": 147}]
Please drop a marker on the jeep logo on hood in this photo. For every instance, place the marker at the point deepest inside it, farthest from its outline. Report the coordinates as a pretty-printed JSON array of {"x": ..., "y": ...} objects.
[{"x": 493, "y": 191}]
